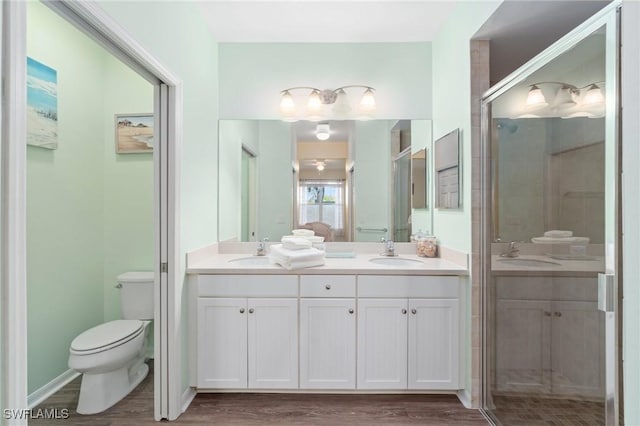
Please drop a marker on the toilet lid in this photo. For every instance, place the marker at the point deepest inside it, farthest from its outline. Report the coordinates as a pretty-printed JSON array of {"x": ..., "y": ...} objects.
[{"x": 107, "y": 334}]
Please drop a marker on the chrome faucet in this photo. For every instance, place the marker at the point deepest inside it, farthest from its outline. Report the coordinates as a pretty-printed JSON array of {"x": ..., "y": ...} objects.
[
  {"x": 389, "y": 247},
  {"x": 261, "y": 247},
  {"x": 511, "y": 251}
]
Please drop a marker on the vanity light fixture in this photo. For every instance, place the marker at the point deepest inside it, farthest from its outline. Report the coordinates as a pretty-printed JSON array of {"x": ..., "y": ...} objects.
[
  {"x": 323, "y": 131},
  {"x": 319, "y": 100},
  {"x": 567, "y": 98}
]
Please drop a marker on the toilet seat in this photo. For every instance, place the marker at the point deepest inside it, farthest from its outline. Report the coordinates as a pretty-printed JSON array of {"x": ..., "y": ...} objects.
[{"x": 106, "y": 336}]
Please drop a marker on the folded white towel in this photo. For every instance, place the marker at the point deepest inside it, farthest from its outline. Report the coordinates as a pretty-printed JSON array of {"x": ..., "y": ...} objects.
[
  {"x": 565, "y": 240},
  {"x": 295, "y": 243},
  {"x": 295, "y": 259},
  {"x": 558, "y": 234},
  {"x": 303, "y": 232}
]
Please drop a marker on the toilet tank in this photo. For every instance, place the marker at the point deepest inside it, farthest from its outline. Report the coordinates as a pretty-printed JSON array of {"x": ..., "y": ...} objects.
[{"x": 136, "y": 295}]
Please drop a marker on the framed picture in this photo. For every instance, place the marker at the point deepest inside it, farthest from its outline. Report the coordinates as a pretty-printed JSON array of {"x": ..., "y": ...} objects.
[
  {"x": 447, "y": 168},
  {"x": 134, "y": 133},
  {"x": 42, "y": 105}
]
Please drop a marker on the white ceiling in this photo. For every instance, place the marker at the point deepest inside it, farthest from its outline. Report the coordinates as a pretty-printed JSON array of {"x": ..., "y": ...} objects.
[{"x": 304, "y": 21}]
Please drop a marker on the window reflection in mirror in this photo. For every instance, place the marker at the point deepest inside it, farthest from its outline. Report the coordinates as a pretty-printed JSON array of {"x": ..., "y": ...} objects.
[{"x": 276, "y": 176}]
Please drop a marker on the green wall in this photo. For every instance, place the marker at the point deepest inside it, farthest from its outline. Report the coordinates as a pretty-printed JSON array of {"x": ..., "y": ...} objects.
[
  {"x": 371, "y": 178},
  {"x": 176, "y": 35},
  {"x": 275, "y": 181},
  {"x": 233, "y": 135},
  {"x": 255, "y": 73},
  {"x": 74, "y": 221},
  {"x": 451, "y": 110}
]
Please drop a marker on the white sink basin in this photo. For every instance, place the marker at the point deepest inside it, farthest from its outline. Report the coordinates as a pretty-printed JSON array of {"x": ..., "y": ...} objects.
[
  {"x": 539, "y": 263},
  {"x": 251, "y": 260},
  {"x": 399, "y": 262}
]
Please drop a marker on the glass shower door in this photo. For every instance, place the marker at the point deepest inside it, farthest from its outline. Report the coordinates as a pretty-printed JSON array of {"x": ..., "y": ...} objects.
[{"x": 552, "y": 235}]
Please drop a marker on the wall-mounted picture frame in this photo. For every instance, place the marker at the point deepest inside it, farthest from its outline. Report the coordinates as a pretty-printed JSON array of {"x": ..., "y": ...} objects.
[
  {"x": 447, "y": 171},
  {"x": 42, "y": 105},
  {"x": 134, "y": 133}
]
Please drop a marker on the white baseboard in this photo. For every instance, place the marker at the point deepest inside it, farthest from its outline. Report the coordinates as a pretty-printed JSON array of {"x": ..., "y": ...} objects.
[
  {"x": 187, "y": 396},
  {"x": 465, "y": 398},
  {"x": 40, "y": 395}
]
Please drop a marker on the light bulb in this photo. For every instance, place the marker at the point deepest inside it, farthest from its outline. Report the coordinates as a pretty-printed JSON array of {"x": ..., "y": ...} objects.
[
  {"x": 593, "y": 96},
  {"x": 536, "y": 97},
  {"x": 320, "y": 165},
  {"x": 314, "y": 103},
  {"x": 341, "y": 105},
  {"x": 287, "y": 106},
  {"x": 368, "y": 101}
]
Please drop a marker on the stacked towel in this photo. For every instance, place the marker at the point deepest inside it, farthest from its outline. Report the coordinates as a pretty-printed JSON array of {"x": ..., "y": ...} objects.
[
  {"x": 560, "y": 240},
  {"x": 295, "y": 243},
  {"x": 558, "y": 234},
  {"x": 295, "y": 259},
  {"x": 303, "y": 232}
]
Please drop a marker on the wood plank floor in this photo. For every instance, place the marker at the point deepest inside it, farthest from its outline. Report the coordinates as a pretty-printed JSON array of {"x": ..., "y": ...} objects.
[{"x": 273, "y": 409}]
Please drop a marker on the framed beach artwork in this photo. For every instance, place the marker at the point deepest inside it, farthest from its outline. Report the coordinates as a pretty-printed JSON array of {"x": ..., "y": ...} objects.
[
  {"x": 42, "y": 105},
  {"x": 134, "y": 133}
]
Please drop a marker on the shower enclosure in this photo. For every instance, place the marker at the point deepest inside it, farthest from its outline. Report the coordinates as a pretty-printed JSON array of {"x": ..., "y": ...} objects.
[{"x": 551, "y": 234}]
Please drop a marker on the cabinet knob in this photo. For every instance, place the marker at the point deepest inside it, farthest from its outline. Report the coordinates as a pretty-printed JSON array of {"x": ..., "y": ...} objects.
[
  {"x": 351, "y": 310},
  {"x": 413, "y": 311},
  {"x": 547, "y": 313},
  {"x": 242, "y": 310},
  {"x": 404, "y": 312},
  {"x": 328, "y": 286},
  {"x": 251, "y": 310},
  {"x": 558, "y": 314}
]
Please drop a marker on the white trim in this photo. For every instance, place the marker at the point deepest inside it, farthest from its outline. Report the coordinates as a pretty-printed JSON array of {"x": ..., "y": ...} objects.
[
  {"x": 13, "y": 245},
  {"x": 39, "y": 396},
  {"x": 465, "y": 398},
  {"x": 187, "y": 397}
]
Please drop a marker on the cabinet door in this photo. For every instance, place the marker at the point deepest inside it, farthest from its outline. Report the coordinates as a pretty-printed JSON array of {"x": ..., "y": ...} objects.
[
  {"x": 222, "y": 343},
  {"x": 577, "y": 353},
  {"x": 327, "y": 344},
  {"x": 273, "y": 343},
  {"x": 523, "y": 353},
  {"x": 382, "y": 343},
  {"x": 433, "y": 344}
]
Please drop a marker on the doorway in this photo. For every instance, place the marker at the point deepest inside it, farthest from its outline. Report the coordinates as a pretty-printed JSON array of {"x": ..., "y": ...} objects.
[
  {"x": 552, "y": 234},
  {"x": 166, "y": 113}
]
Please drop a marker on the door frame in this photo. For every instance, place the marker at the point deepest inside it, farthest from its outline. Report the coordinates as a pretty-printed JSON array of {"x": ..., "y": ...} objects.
[
  {"x": 97, "y": 24},
  {"x": 609, "y": 16}
]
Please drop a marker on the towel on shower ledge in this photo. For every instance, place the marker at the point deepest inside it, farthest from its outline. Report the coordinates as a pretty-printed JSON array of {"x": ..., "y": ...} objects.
[
  {"x": 555, "y": 233},
  {"x": 561, "y": 240},
  {"x": 295, "y": 259}
]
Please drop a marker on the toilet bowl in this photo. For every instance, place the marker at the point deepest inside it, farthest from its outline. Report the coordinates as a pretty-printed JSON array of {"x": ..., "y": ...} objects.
[{"x": 111, "y": 356}]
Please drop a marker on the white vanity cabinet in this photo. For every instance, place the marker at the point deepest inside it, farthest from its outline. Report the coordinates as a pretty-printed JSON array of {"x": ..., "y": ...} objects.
[
  {"x": 408, "y": 332},
  {"x": 247, "y": 342},
  {"x": 549, "y": 336},
  {"x": 327, "y": 332}
]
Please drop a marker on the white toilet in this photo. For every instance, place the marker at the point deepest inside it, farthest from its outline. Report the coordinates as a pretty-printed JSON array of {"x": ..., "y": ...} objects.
[{"x": 111, "y": 356}]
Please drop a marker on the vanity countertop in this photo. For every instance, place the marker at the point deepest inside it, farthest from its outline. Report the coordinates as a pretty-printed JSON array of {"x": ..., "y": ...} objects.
[
  {"x": 531, "y": 265},
  {"x": 358, "y": 265}
]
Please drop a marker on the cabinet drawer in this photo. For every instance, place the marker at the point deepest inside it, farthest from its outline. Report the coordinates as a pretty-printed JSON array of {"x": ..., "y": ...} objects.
[
  {"x": 247, "y": 286},
  {"x": 408, "y": 286},
  {"x": 327, "y": 286}
]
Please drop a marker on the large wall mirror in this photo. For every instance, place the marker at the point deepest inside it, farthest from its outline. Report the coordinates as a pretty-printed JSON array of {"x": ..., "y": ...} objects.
[{"x": 348, "y": 180}]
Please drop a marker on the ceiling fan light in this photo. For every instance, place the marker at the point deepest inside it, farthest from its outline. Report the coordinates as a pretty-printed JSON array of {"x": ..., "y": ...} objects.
[{"x": 323, "y": 131}]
